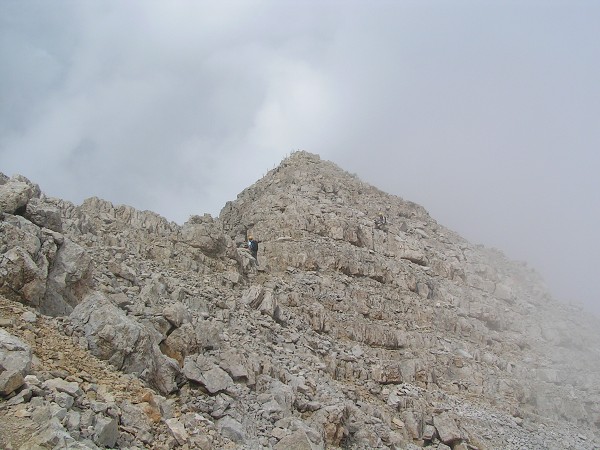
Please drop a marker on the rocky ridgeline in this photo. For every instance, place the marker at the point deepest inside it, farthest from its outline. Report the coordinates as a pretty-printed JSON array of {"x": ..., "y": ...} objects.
[{"x": 121, "y": 329}]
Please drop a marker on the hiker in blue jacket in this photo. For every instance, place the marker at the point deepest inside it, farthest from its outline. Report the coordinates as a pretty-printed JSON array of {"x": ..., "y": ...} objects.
[{"x": 253, "y": 247}]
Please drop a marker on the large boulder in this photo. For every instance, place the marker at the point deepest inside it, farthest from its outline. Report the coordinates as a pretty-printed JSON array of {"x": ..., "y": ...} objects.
[
  {"x": 446, "y": 428},
  {"x": 295, "y": 441},
  {"x": 15, "y": 362},
  {"x": 203, "y": 371},
  {"x": 69, "y": 279},
  {"x": 125, "y": 343},
  {"x": 23, "y": 263},
  {"x": 14, "y": 195},
  {"x": 204, "y": 234},
  {"x": 41, "y": 267},
  {"x": 20, "y": 278},
  {"x": 44, "y": 215}
]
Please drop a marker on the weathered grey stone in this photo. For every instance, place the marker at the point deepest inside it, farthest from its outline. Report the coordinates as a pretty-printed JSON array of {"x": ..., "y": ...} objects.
[
  {"x": 177, "y": 314},
  {"x": 29, "y": 316},
  {"x": 106, "y": 431},
  {"x": 133, "y": 416},
  {"x": 87, "y": 419},
  {"x": 234, "y": 364},
  {"x": 64, "y": 400},
  {"x": 44, "y": 215},
  {"x": 22, "y": 279},
  {"x": 60, "y": 385},
  {"x": 181, "y": 342},
  {"x": 69, "y": 279},
  {"x": 203, "y": 234},
  {"x": 125, "y": 343},
  {"x": 177, "y": 429},
  {"x": 50, "y": 435},
  {"x": 428, "y": 432},
  {"x": 73, "y": 420},
  {"x": 123, "y": 271},
  {"x": 295, "y": 441},
  {"x": 446, "y": 427},
  {"x": 208, "y": 374},
  {"x": 15, "y": 362},
  {"x": 253, "y": 297},
  {"x": 14, "y": 196},
  {"x": 232, "y": 429},
  {"x": 32, "y": 380}
]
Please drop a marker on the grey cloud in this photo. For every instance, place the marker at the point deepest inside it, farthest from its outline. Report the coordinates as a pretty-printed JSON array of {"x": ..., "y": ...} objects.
[{"x": 487, "y": 115}]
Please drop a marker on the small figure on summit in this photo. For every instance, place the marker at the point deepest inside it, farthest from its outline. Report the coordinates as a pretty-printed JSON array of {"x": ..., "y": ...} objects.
[{"x": 253, "y": 247}]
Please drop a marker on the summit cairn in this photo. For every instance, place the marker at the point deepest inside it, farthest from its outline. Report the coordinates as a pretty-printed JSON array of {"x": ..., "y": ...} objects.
[{"x": 352, "y": 333}]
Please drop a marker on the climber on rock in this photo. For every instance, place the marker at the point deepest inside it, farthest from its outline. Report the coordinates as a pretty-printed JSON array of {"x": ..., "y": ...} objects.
[
  {"x": 253, "y": 247},
  {"x": 381, "y": 220}
]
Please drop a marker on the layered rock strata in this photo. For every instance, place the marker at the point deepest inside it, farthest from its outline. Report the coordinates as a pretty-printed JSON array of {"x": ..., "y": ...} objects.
[{"x": 349, "y": 334}]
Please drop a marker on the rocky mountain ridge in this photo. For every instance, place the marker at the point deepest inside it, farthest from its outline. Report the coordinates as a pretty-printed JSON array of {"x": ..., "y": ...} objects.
[{"x": 347, "y": 334}]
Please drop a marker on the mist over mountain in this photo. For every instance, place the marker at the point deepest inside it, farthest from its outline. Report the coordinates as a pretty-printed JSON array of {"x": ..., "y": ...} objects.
[{"x": 363, "y": 323}]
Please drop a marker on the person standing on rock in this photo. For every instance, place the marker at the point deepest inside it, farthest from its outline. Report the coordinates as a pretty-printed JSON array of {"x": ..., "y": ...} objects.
[
  {"x": 253, "y": 247},
  {"x": 381, "y": 220}
]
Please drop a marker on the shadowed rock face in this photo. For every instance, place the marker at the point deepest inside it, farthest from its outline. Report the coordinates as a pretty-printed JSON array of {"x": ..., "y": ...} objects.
[{"x": 350, "y": 333}]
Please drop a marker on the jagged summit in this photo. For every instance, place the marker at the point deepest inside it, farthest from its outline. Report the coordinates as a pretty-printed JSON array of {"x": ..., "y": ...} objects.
[
  {"x": 305, "y": 190},
  {"x": 306, "y": 175},
  {"x": 347, "y": 334}
]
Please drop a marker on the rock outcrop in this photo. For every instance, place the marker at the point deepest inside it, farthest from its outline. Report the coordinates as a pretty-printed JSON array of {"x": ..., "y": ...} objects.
[
  {"x": 15, "y": 362},
  {"x": 349, "y": 334}
]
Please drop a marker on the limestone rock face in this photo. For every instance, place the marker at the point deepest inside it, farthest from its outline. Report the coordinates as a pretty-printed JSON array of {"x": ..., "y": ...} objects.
[
  {"x": 44, "y": 215},
  {"x": 203, "y": 233},
  {"x": 23, "y": 264},
  {"x": 349, "y": 333},
  {"x": 42, "y": 267},
  {"x": 15, "y": 362},
  {"x": 446, "y": 428},
  {"x": 15, "y": 193},
  {"x": 125, "y": 343},
  {"x": 69, "y": 279}
]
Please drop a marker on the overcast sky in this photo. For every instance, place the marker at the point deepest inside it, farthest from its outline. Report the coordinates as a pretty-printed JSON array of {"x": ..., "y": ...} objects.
[{"x": 486, "y": 113}]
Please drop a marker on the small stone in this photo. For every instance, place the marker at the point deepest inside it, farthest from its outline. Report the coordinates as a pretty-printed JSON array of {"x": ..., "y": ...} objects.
[
  {"x": 279, "y": 433},
  {"x": 73, "y": 420},
  {"x": 428, "y": 432},
  {"x": 32, "y": 380},
  {"x": 106, "y": 431},
  {"x": 178, "y": 430},
  {"x": 98, "y": 407},
  {"x": 29, "y": 316},
  {"x": 232, "y": 429},
  {"x": 398, "y": 422},
  {"x": 446, "y": 428},
  {"x": 87, "y": 419},
  {"x": 64, "y": 400},
  {"x": 295, "y": 441},
  {"x": 60, "y": 385},
  {"x": 22, "y": 412},
  {"x": 41, "y": 415}
]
